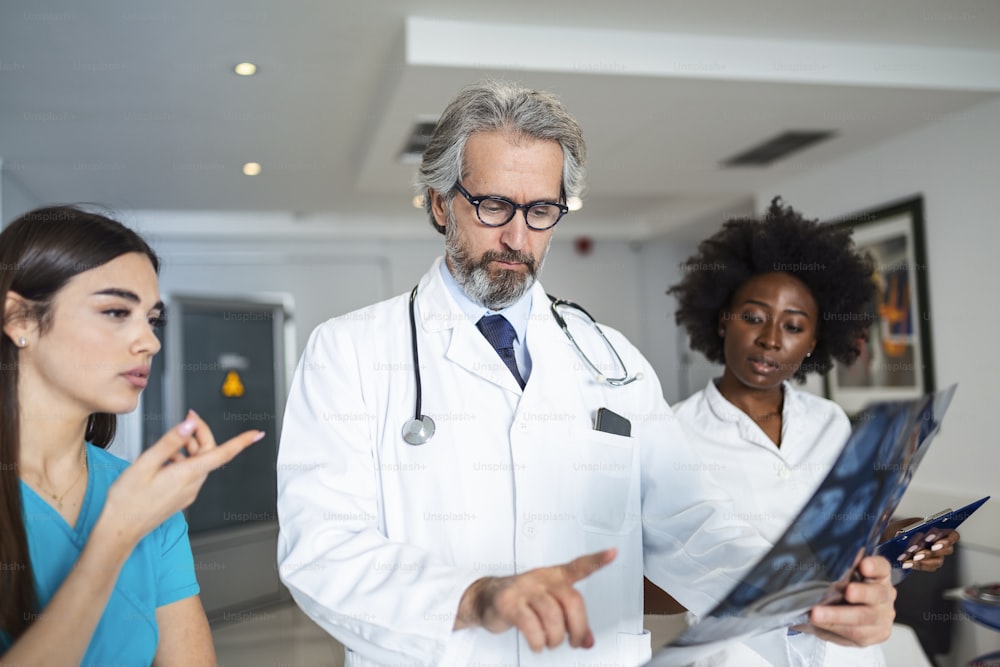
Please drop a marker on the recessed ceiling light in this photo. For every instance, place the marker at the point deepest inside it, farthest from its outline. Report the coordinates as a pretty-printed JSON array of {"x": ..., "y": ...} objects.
[
  {"x": 574, "y": 203},
  {"x": 251, "y": 168},
  {"x": 245, "y": 69}
]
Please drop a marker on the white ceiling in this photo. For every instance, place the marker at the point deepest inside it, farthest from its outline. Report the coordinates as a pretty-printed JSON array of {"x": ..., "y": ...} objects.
[{"x": 134, "y": 104}]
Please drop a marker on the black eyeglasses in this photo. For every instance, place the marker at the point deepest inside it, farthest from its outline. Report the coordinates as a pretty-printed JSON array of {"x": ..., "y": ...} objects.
[{"x": 498, "y": 211}]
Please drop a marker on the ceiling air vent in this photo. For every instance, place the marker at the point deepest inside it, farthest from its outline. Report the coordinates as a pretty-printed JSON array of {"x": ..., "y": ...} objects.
[
  {"x": 417, "y": 141},
  {"x": 777, "y": 148}
]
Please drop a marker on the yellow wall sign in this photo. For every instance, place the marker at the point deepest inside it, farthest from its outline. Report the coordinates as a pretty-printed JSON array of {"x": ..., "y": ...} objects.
[{"x": 233, "y": 386}]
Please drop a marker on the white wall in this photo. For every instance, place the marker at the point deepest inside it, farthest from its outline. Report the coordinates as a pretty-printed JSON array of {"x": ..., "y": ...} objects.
[
  {"x": 14, "y": 199},
  {"x": 955, "y": 165},
  {"x": 315, "y": 272},
  {"x": 682, "y": 371},
  {"x": 660, "y": 267}
]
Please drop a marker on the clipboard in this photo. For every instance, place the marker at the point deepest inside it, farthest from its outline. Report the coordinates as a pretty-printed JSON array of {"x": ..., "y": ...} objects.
[{"x": 895, "y": 550}]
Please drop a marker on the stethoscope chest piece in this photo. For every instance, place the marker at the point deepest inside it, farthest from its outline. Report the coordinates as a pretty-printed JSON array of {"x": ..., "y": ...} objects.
[{"x": 418, "y": 431}]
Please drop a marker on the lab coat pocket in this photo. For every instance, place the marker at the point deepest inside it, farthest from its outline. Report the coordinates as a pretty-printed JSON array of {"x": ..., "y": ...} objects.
[{"x": 602, "y": 468}]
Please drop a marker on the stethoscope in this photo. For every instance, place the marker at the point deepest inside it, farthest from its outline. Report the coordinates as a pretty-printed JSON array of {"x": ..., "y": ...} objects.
[{"x": 420, "y": 429}]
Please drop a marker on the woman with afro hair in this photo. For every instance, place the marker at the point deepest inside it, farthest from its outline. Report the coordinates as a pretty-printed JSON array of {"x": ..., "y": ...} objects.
[{"x": 775, "y": 299}]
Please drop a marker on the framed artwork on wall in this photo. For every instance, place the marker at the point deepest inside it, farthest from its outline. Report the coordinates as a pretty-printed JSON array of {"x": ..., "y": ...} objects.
[{"x": 896, "y": 361}]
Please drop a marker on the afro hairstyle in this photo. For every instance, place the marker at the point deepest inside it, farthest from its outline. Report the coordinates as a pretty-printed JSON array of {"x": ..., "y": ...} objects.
[{"x": 822, "y": 256}]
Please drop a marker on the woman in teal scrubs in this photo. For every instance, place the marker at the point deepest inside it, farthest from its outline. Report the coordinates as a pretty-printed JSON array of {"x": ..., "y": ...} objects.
[{"x": 95, "y": 565}]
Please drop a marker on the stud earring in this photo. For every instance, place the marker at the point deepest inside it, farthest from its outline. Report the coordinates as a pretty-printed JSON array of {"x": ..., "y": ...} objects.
[
  {"x": 809, "y": 354},
  {"x": 21, "y": 342}
]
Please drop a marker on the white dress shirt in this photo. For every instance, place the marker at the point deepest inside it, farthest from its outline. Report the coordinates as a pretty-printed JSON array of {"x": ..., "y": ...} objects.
[{"x": 516, "y": 313}]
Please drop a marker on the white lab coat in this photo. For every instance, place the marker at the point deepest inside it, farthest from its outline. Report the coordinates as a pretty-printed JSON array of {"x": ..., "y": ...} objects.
[{"x": 379, "y": 539}]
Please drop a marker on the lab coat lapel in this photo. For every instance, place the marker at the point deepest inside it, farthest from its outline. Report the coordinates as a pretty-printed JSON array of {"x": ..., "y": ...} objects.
[{"x": 437, "y": 314}]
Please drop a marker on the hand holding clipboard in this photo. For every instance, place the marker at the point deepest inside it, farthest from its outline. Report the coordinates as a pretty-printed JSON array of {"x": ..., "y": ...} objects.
[{"x": 903, "y": 549}]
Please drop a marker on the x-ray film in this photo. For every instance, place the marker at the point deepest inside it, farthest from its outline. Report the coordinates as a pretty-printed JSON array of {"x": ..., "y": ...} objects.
[{"x": 843, "y": 521}]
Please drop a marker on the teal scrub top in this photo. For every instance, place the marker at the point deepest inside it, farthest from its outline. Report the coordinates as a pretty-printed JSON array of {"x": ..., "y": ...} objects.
[{"x": 159, "y": 571}]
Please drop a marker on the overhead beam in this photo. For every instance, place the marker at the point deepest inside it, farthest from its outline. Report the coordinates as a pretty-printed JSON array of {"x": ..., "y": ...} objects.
[{"x": 449, "y": 43}]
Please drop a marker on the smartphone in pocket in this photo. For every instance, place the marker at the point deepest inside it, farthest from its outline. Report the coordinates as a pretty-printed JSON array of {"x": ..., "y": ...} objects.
[{"x": 609, "y": 421}]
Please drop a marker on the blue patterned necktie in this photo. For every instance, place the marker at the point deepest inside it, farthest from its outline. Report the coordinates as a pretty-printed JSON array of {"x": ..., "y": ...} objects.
[{"x": 499, "y": 332}]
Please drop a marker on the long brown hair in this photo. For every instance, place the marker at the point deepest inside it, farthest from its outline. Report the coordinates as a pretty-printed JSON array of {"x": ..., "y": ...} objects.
[{"x": 39, "y": 253}]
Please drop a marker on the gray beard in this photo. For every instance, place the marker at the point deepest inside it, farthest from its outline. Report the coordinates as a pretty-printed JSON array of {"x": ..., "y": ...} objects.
[{"x": 493, "y": 292}]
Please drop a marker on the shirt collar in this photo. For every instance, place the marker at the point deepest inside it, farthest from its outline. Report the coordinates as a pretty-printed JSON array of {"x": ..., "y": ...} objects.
[
  {"x": 517, "y": 313},
  {"x": 726, "y": 411}
]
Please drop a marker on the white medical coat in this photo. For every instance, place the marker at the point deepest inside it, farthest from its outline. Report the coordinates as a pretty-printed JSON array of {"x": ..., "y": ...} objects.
[{"x": 379, "y": 539}]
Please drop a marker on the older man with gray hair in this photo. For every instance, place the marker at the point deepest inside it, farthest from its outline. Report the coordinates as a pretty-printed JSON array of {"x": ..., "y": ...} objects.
[{"x": 480, "y": 487}]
